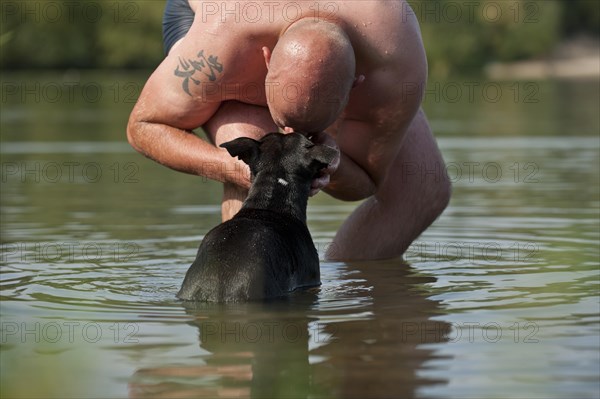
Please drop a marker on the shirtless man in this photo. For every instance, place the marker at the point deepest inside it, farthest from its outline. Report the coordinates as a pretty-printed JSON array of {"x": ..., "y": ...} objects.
[{"x": 349, "y": 74}]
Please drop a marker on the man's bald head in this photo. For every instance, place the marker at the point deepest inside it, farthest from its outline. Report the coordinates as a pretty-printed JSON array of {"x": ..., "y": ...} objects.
[{"x": 311, "y": 72}]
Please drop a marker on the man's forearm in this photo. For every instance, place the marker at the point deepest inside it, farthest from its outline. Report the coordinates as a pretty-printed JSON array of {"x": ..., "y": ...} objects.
[{"x": 183, "y": 151}]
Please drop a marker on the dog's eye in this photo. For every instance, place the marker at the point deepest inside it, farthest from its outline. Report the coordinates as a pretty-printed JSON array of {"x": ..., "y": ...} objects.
[{"x": 309, "y": 146}]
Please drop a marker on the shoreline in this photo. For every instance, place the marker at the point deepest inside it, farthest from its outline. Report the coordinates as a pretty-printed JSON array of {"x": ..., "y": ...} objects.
[{"x": 576, "y": 58}]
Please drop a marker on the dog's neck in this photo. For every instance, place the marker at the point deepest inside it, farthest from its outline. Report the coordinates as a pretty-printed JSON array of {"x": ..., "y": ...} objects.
[{"x": 279, "y": 192}]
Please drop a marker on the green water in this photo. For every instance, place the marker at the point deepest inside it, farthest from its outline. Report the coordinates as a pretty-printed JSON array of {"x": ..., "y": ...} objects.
[{"x": 499, "y": 298}]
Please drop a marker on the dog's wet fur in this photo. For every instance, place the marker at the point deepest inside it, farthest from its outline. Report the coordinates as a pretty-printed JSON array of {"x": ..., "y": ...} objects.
[{"x": 265, "y": 251}]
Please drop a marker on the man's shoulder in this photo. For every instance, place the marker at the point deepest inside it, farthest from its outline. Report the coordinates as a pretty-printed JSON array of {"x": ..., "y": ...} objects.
[
  {"x": 384, "y": 33},
  {"x": 389, "y": 14}
]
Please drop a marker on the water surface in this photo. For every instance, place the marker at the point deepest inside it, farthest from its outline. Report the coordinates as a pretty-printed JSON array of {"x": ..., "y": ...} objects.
[{"x": 499, "y": 298}]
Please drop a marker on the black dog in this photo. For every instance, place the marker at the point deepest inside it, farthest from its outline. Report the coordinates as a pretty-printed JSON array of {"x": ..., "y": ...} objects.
[{"x": 265, "y": 251}]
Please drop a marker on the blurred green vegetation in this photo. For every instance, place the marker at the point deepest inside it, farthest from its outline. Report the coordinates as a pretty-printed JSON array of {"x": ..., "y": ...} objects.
[
  {"x": 82, "y": 34},
  {"x": 460, "y": 36}
]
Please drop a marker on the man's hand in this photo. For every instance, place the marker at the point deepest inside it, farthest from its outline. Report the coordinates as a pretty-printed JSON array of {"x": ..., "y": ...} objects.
[{"x": 322, "y": 180}]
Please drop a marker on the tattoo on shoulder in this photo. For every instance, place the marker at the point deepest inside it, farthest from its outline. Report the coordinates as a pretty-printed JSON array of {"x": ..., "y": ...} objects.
[{"x": 208, "y": 66}]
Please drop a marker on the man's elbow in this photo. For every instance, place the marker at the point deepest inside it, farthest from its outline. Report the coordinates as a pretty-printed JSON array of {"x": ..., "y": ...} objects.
[{"x": 134, "y": 132}]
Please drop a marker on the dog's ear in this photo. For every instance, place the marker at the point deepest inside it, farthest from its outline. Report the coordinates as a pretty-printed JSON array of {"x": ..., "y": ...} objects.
[
  {"x": 322, "y": 156},
  {"x": 246, "y": 149}
]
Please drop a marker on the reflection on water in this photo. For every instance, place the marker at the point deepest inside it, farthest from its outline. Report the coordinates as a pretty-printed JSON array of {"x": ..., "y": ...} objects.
[
  {"x": 498, "y": 299},
  {"x": 362, "y": 337}
]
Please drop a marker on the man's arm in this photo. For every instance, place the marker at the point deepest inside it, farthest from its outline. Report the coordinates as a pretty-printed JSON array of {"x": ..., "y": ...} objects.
[
  {"x": 343, "y": 179},
  {"x": 370, "y": 141},
  {"x": 183, "y": 94},
  {"x": 350, "y": 182},
  {"x": 183, "y": 151},
  {"x": 159, "y": 134}
]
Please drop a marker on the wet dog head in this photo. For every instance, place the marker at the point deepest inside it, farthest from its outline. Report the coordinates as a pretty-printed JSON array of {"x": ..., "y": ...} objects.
[{"x": 291, "y": 155}]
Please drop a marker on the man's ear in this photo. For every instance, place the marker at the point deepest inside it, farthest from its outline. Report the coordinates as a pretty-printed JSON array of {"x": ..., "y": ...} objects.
[
  {"x": 322, "y": 156},
  {"x": 267, "y": 55},
  {"x": 245, "y": 148}
]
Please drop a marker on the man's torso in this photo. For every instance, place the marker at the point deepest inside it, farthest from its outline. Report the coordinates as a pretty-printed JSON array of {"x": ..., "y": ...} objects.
[{"x": 384, "y": 34}]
